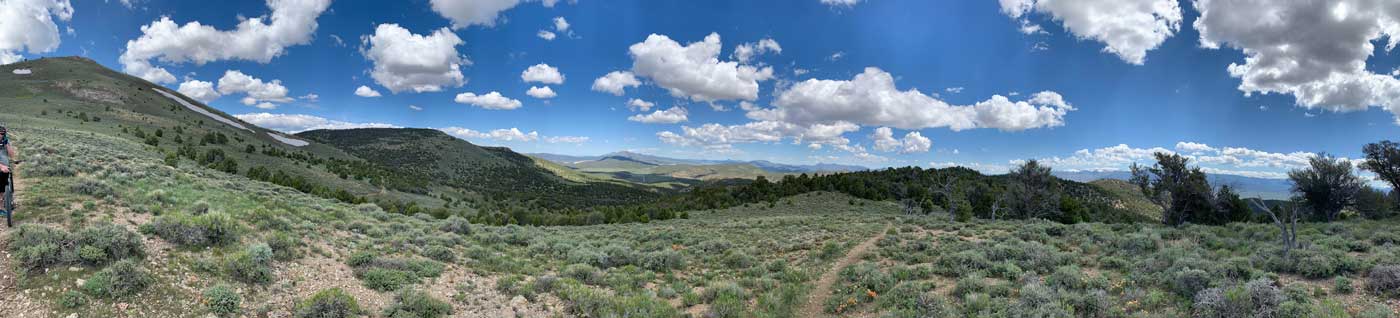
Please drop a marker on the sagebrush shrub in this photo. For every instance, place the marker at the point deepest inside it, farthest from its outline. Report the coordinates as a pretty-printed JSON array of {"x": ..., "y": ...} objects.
[
  {"x": 457, "y": 224},
  {"x": 1257, "y": 298},
  {"x": 1188, "y": 282},
  {"x": 211, "y": 229},
  {"x": 92, "y": 187},
  {"x": 416, "y": 303},
  {"x": 108, "y": 242},
  {"x": 40, "y": 246},
  {"x": 328, "y": 303},
  {"x": 1384, "y": 280},
  {"x": 284, "y": 246},
  {"x": 222, "y": 300},
  {"x": 663, "y": 260},
  {"x": 72, "y": 299},
  {"x": 251, "y": 265},
  {"x": 440, "y": 253},
  {"x": 123, "y": 278}
]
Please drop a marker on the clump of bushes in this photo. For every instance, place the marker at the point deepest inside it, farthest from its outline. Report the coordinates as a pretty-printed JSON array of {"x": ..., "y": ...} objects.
[
  {"x": 1257, "y": 298},
  {"x": 328, "y": 303},
  {"x": 663, "y": 260},
  {"x": 222, "y": 300},
  {"x": 37, "y": 247},
  {"x": 251, "y": 265},
  {"x": 104, "y": 243},
  {"x": 866, "y": 277},
  {"x": 457, "y": 224},
  {"x": 1384, "y": 280},
  {"x": 123, "y": 278},
  {"x": 389, "y": 274},
  {"x": 92, "y": 187},
  {"x": 210, "y": 229},
  {"x": 416, "y": 303},
  {"x": 72, "y": 299},
  {"x": 284, "y": 246},
  {"x": 440, "y": 253}
]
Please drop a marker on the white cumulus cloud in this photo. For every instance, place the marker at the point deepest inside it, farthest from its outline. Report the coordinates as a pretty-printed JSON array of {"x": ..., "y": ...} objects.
[
  {"x": 694, "y": 70},
  {"x": 744, "y": 52},
  {"x": 541, "y": 92},
  {"x": 668, "y": 116},
  {"x": 259, "y": 94},
  {"x": 295, "y": 123},
  {"x": 365, "y": 91},
  {"x": 1316, "y": 51},
  {"x": 913, "y": 142},
  {"x": 639, "y": 105},
  {"x": 542, "y": 73},
  {"x": 871, "y": 98},
  {"x": 199, "y": 90},
  {"x": 546, "y": 35},
  {"x": 616, "y": 82},
  {"x": 28, "y": 26},
  {"x": 1128, "y": 28},
  {"x": 465, "y": 13},
  {"x": 404, "y": 61},
  {"x": 258, "y": 39},
  {"x": 492, "y": 100}
]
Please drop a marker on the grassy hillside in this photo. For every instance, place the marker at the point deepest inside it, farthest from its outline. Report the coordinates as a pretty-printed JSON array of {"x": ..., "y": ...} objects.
[
  {"x": 79, "y": 94},
  {"x": 435, "y": 158},
  {"x": 1129, "y": 197},
  {"x": 434, "y": 173}
]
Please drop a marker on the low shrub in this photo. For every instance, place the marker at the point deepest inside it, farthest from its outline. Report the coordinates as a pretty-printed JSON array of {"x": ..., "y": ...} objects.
[
  {"x": 1384, "y": 281},
  {"x": 440, "y": 253},
  {"x": 37, "y": 247},
  {"x": 72, "y": 299},
  {"x": 328, "y": 303},
  {"x": 589, "y": 302},
  {"x": 584, "y": 273},
  {"x": 222, "y": 300},
  {"x": 1257, "y": 298},
  {"x": 252, "y": 265},
  {"x": 866, "y": 277},
  {"x": 92, "y": 187},
  {"x": 1342, "y": 285},
  {"x": 663, "y": 260},
  {"x": 382, "y": 279},
  {"x": 212, "y": 229},
  {"x": 1188, "y": 282},
  {"x": 123, "y": 278},
  {"x": 418, "y": 304},
  {"x": 105, "y": 243},
  {"x": 284, "y": 246},
  {"x": 457, "y": 224}
]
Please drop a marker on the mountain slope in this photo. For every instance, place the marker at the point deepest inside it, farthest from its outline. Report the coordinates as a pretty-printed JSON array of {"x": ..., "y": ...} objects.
[
  {"x": 429, "y": 154},
  {"x": 79, "y": 94}
]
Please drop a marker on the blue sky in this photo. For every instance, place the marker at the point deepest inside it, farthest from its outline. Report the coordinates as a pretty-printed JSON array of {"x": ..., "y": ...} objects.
[{"x": 1141, "y": 74}]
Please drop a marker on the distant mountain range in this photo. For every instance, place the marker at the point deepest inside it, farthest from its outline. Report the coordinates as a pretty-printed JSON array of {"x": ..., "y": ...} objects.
[
  {"x": 1272, "y": 189},
  {"x": 645, "y": 159}
]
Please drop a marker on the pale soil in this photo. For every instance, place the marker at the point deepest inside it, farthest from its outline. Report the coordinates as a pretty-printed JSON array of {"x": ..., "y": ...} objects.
[{"x": 817, "y": 297}]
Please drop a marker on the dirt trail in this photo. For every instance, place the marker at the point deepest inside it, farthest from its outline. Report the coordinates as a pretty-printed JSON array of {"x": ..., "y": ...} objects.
[{"x": 817, "y": 298}]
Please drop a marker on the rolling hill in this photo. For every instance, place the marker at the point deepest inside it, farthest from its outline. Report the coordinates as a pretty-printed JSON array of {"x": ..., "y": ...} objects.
[
  {"x": 405, "y": 170},
  {"x": 429, "y": 154},
  {"x": 1271, "y": 189}
]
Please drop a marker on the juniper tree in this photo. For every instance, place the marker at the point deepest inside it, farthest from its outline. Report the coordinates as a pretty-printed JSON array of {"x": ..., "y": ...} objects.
[{"x": 1326, "y": 187}]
